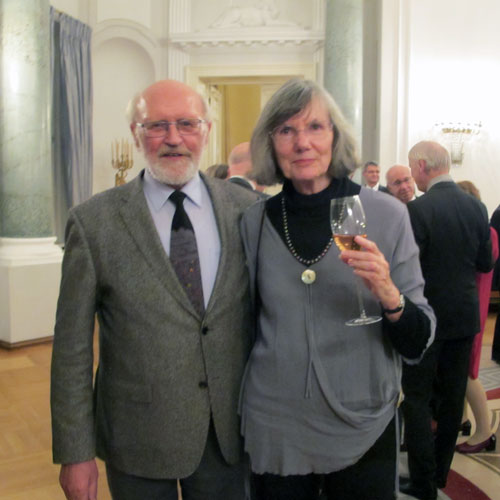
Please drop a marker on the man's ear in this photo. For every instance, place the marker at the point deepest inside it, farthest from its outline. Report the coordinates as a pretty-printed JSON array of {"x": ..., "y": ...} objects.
[
  {"x": 209, "y": 126},
  {"x": 133, "y": 129},
  {"x": 422, "y": 166}
]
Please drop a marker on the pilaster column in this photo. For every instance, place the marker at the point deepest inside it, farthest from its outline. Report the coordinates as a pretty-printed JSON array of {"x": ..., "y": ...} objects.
[
  {"x": 26, "y": 188},
  {"x": 343, "y": 73},
  {"x": 29, "y": 259}
]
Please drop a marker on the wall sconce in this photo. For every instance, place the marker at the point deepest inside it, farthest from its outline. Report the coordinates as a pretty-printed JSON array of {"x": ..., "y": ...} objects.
[{"x": 456, "y": 134}]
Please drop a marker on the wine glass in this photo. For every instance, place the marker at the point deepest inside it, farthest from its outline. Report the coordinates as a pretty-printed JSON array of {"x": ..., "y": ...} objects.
[{"x": 347, "y": 219}]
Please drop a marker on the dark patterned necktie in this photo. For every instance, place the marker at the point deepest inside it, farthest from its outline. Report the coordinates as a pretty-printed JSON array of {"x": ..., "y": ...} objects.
[{"x": 184, "y": 253}]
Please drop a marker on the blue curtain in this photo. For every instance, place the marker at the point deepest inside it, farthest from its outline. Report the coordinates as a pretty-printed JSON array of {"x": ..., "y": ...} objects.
[{"x": 72, "y": 114}]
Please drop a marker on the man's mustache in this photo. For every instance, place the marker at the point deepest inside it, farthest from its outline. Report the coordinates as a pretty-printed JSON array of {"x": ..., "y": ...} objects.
[{"x": 162, "y": 152}]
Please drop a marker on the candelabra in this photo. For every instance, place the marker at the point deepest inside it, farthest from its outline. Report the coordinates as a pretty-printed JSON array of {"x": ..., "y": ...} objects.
[
  {"x": 456, "y": 134},
  {"x": 121, "y": 159}
]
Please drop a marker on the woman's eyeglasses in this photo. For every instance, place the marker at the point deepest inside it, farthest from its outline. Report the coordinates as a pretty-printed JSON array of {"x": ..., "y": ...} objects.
[{"x": 286, "y": 134}]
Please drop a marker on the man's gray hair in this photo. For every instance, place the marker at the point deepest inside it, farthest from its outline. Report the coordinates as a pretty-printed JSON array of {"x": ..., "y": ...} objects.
[
  {"x": 135, "y": 107},
  {"x": 435, "y": 155},
  {"x": 292, "y": 98}
]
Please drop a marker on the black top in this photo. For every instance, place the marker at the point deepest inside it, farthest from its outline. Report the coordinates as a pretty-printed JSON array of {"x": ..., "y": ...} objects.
[{"x": 308, "y": 215}]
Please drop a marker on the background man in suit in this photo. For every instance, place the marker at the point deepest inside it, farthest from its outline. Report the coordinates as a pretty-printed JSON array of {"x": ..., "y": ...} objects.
[
  {"x": 240, "y": 165},
  {"x": 451, "y": 230},
  {"x": 400, "y": 183},
  {"x": 371, "y": 176},
  {"x": 164, "y": 403}
]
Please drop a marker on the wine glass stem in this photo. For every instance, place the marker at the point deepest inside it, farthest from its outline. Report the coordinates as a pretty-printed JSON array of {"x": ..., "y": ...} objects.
[{"x": 362, "y": 312}]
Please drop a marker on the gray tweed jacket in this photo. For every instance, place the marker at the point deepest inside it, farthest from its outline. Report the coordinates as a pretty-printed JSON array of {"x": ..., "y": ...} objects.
[{"x": 163, "y": 370}]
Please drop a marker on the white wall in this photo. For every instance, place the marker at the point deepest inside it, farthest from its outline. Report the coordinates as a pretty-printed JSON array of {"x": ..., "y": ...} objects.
[
  {"x": 455, "y": 75},
  {"x": 121, "y": 68},
  {"x": 441, "y": 64}
]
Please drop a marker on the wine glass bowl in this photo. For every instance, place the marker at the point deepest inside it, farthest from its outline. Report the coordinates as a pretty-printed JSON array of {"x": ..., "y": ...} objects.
[{"x": 348, "y": 220}]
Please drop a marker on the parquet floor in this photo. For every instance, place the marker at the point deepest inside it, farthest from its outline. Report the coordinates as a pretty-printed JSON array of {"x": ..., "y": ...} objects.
[{"x": 26, "y": 469}]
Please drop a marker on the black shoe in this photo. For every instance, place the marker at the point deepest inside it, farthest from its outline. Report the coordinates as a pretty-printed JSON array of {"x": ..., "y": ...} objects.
[
  {"x": 407, "y": 487},
  {"x": 465, "y": 428}
]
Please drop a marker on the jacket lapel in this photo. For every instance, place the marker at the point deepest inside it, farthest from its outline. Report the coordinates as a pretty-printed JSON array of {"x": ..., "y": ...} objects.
[{"x": 220, "y": 205}]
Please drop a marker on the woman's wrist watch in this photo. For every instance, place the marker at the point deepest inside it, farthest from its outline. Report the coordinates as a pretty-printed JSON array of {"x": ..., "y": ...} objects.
[{"x": 400, "y": 306}]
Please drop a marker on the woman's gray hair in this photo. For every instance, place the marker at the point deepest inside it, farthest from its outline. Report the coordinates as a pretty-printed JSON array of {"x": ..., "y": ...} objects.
[{"x": 290, "y": 99}]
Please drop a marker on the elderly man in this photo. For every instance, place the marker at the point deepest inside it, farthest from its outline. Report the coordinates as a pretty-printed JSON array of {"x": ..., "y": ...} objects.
[
  {"x": 452, "y": 232},
  {"x": 371, "y": 176},
  {"x": 400, "y": 183},
  {"x": 160, "y": 262}
]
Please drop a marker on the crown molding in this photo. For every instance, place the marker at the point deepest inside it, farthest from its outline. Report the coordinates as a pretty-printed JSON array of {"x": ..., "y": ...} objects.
[{"x": 255, "y": 38}]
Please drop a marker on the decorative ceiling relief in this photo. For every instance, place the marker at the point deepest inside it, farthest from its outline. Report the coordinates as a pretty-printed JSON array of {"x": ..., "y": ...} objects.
[
  {"x": 263, "y": 13},
  {"x": 259, "y": 24}
]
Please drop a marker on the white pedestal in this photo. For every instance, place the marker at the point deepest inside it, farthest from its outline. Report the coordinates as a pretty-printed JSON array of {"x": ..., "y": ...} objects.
[{"x": 30, "y": 274}]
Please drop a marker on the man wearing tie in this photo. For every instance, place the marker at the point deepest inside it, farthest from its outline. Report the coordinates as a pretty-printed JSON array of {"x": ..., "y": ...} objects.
[{"x": 160, "y": 262}]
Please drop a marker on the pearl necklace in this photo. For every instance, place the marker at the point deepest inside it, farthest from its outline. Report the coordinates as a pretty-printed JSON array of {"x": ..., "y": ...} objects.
[{"x": 306, "y": 262}]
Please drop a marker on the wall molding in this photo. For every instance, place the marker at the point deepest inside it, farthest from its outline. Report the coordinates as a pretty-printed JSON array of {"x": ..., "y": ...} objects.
[{"x": 235, "y": 39}]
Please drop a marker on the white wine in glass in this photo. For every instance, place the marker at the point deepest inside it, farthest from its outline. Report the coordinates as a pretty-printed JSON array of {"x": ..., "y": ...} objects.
[{"x": 347, "y": 219}]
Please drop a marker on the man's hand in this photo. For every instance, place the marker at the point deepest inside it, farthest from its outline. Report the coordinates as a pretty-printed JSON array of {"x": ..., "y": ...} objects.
[{"x": 79, "y": 481}]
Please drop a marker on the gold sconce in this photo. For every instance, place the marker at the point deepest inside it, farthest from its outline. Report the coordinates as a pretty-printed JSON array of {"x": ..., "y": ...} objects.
[
  {"x": 456, "y": 134},
  {"x": 121, "y": 159}
]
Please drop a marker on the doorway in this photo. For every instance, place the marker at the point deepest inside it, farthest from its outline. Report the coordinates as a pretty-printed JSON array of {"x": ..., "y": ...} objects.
[{"x": 236, "y": 95}]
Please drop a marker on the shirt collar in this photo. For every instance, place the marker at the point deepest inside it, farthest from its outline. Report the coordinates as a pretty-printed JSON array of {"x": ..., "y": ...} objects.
[
  {"x": 158, "y": 193},
  {"x": 439, "y": 178}
]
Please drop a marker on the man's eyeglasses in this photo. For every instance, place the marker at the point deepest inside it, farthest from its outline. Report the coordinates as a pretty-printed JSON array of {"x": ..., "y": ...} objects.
[
  {"x": 184, "y": 126},
  {"x": 286, "y": 134},
  {"x": 402, "y": 181}
]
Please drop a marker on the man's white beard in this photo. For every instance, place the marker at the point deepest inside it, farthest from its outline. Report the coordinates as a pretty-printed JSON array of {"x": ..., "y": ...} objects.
[{"x": 170, "y": 177}]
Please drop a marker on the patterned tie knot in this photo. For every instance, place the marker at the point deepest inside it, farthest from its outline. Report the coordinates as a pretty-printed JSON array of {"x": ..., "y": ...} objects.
[{"x": 178, "y": 198}]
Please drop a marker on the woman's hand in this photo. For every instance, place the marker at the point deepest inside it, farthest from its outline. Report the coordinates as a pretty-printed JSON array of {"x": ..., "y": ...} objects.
[{"x": 371, "y": 266}]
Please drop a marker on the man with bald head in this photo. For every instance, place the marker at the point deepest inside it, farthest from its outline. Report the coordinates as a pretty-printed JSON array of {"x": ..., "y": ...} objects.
[
  {"x": 160, "y": 263},
  {"x": 400, "y": 183},
  {"x": 452, "y": 232}
]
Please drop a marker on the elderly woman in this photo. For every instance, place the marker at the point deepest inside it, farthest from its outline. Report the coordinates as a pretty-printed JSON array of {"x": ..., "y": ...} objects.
[{"x": 319, "y": 398}]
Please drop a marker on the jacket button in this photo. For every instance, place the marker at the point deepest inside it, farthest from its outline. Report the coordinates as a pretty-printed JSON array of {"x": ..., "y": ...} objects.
[
  {"x": 204, "y": 330},
  {"x": 202, "y": 385}
]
